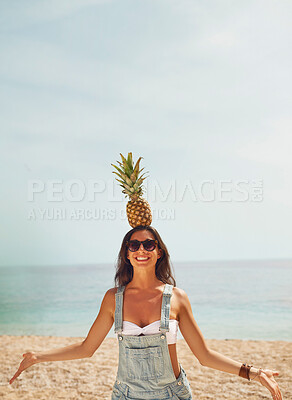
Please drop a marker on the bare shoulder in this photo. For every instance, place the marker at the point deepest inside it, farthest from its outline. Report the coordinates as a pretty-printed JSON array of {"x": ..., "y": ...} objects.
[
  {"x": 179, "y": 294},
  {"x": 110, "y": 294},
  {"x": 109, "y": 301},
  {"x": 180, "y": 301},
  {"x": 111, "y": 291}
]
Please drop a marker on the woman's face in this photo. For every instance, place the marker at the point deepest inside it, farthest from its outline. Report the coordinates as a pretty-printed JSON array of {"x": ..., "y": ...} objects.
[{"x": 142, "y": 258}]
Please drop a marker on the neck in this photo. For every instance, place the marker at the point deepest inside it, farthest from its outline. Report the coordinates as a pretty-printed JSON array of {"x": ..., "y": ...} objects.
[{"x": 142, "y": 279}]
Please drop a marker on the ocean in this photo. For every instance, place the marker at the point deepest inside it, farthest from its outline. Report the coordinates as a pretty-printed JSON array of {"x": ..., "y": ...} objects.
[{"x": 230, "y": 300}]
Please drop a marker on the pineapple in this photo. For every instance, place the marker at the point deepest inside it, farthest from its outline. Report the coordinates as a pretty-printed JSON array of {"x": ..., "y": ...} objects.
[{"x": 138, "y": 209}]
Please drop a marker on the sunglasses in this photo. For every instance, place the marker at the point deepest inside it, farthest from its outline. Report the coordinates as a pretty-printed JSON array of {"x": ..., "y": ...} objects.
[{"x": 148, "y": 244}]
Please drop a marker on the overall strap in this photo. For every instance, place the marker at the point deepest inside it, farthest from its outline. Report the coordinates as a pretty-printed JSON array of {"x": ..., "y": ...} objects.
[
  {"x": 165, "y": 308},
  {"x": 119, "y": 309}
]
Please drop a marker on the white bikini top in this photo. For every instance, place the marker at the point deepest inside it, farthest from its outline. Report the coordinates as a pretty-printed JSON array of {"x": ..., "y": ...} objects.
[{"x": 129, "y": 328}]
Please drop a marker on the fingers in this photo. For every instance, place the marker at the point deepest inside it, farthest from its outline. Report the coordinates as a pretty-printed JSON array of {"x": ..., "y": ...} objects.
[
  {"x": 16, "y": 375},
  {"x": 27, "y": 362},
  {"x": 277, "y": 395},
  {"x": 18, "y": 372},
  {"x": 270, "y": 383},
  {"x": 275, "y": 390}
]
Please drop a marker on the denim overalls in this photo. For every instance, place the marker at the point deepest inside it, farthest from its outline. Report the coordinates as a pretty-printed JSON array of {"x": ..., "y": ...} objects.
[{"x": 145, "y": 370}]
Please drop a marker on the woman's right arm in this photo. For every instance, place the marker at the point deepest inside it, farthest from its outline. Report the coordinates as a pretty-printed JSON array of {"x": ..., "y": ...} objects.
[{"x": 84, "y": 349}]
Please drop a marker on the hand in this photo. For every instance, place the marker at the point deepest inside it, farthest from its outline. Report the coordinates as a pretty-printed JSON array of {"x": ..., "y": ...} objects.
[
  {"x": 30, "y": 359},
  {"x": 266, "y": 378}
]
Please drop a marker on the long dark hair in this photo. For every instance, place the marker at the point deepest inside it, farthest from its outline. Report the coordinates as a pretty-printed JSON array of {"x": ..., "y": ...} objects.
[{"x": 124, "y": 269}]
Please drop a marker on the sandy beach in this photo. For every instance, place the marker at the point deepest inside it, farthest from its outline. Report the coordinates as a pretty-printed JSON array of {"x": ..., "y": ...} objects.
[{"x": 92, "y": 378}]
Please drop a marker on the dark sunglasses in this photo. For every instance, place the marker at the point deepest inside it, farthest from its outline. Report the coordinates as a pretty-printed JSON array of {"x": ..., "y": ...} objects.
[{"x": 148, "y": 244}]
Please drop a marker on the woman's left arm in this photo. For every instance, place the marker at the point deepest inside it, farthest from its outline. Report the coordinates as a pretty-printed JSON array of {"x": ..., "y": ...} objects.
[{"x": 211, "y": 358}]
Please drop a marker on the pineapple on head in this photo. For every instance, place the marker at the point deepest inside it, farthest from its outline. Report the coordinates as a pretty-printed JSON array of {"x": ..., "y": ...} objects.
[{"x": 131, "y": 180}]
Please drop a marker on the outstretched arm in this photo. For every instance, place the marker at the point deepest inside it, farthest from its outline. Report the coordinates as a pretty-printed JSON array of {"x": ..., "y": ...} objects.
[
  {"x": 213, "y": 359},
  {"x": 102, "y": 324},
  {"x": 84, "y": 349}
]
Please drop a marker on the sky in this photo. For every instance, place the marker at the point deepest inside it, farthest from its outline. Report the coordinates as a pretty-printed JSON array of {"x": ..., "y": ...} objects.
[{"x": 200, "y": 90}]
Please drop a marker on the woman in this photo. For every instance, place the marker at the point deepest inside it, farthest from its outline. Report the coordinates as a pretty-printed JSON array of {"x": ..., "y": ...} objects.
[{"x": 147, "y": 308}]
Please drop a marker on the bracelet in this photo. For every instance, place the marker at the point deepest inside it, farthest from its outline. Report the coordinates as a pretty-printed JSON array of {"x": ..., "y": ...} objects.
[
  {"x": 258, "y": 374},
  {"x": 244, "y": 371}
]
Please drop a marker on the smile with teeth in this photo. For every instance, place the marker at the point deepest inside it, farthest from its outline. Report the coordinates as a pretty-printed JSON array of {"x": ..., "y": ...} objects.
[{"x": 142, "y": 258}]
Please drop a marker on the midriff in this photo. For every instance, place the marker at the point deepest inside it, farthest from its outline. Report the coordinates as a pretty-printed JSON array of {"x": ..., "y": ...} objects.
[{"x": 173, "y": 359}]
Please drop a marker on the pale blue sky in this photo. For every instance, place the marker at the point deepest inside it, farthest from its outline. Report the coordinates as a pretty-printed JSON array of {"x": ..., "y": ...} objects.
[{"x": 201, "y": 90}]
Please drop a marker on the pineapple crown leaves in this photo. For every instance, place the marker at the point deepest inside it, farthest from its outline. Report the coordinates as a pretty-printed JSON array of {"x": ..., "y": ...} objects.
[{"x": 130, "y": 176}]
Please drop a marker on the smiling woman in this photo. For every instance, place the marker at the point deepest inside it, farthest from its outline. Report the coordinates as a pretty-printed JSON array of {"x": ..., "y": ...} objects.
[
  {"x": 146, "y": 309},
  {"x": 139, "y": 252}
]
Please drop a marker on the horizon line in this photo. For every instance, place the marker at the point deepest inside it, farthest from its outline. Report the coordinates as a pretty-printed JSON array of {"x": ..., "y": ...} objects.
[{"x": 242, "y": 260}]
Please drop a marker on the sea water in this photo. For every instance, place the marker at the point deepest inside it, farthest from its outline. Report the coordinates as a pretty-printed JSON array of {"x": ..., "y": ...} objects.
[{"x": 230, "y": 300}]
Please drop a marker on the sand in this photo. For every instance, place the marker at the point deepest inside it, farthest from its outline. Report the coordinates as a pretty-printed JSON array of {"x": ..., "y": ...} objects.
[{"x": 92, "y": 378}]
